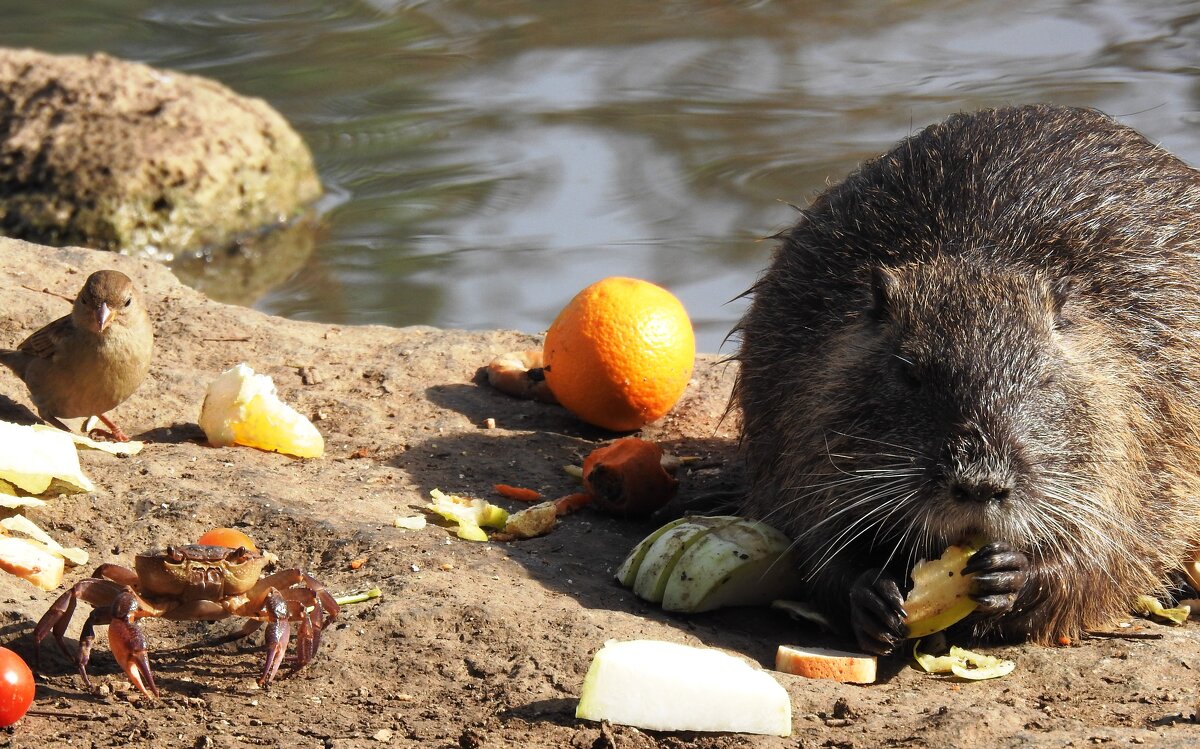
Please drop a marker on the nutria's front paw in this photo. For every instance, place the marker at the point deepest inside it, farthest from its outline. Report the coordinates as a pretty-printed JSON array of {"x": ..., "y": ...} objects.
[
  {"x": 877, "y": 613},
  {"x": 1000, "y": 573}
]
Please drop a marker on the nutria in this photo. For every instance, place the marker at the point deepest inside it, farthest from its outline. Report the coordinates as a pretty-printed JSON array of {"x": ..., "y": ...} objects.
[{"x": 991, "y": 333}]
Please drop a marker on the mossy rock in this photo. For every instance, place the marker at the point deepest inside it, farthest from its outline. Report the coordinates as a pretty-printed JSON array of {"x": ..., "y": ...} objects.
[{"x": 114, "y": 155}]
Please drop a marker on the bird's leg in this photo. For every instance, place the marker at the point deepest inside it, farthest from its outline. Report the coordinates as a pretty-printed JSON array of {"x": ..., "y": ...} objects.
[{"x": 115, "y": 432}]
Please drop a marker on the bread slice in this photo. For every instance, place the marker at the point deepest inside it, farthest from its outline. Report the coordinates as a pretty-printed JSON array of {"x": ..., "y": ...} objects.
[{"x": 823, "y": 663}]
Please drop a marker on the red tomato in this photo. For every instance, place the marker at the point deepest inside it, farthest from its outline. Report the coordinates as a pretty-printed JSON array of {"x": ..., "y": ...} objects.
[
  {"x": 16, "y": 687},
  {"x": 228, "y": 537}
]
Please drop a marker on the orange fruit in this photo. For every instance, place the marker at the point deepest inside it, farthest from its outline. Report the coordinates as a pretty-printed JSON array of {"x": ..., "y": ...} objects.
[
  {"x": 620, "y": 353},
  {"x": 230, "y": 538}
]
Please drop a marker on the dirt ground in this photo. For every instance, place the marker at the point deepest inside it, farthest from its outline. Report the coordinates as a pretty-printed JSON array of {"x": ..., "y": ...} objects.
[{"x": 472, "y": 644}]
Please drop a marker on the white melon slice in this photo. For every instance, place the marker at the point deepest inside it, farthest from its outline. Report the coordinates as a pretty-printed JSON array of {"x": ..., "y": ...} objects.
[{"x": 665, "y": 686}]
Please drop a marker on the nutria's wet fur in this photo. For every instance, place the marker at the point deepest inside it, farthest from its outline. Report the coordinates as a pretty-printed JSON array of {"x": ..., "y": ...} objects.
[{"x": 991, "y": 331}]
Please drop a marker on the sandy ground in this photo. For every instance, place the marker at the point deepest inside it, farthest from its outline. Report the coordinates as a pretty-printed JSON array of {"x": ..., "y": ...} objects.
[{"x": 472, "y": 644}]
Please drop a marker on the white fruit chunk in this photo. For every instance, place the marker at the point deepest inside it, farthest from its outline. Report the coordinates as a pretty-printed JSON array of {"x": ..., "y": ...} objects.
[
  {"x": 664, "y": 686},
  {"x": 243, "y": 408},
  {"x": 32, "y": 561}
]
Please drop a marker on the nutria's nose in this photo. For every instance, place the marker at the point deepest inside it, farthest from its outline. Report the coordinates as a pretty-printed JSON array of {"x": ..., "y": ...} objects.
[{"x": 982, "y": 490}]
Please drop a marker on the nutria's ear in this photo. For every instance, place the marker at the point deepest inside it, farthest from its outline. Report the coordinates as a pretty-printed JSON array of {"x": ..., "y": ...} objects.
[
  {"x": 1061, "y": 290},
  {"x": 884, "y": 285}
]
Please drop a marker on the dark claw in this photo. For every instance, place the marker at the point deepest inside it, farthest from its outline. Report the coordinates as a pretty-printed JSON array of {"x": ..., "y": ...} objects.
[
  {"x": 877, "y": 613},
  {"x": 1000, "y": 573}
]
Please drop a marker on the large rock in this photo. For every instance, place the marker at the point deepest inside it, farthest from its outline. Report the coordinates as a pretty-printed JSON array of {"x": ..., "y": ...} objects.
[{"x": 116, "y": 155}]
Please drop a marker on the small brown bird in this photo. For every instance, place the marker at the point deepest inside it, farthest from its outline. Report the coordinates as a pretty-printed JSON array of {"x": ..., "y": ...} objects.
[{"x": 91, "y": 360}]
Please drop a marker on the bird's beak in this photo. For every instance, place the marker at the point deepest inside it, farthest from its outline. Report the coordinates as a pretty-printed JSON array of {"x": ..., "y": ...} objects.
[{"x": 103, "y": 316}]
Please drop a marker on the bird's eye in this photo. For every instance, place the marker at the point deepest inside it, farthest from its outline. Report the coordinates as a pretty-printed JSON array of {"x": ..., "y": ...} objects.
[{"x": 129, "y": 301}]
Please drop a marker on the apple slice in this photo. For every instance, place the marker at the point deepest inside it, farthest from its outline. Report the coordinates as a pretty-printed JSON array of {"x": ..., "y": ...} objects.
[
  {"x": 941, "y": 594},
  {"x": 665, "y": 686}
]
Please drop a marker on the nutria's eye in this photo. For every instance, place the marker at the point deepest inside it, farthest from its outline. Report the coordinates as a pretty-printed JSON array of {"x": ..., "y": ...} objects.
[{"x": 908, "y": 373}]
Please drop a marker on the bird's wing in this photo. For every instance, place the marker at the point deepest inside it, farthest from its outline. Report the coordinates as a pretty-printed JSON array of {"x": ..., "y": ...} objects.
[{"x": 43, "y": 342}]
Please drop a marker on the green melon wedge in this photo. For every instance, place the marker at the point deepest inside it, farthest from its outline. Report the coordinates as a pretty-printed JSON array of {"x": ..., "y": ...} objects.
[
  {"x": 739, "y": 563},
  {"x": 659, "y": 561},
  {"x": 627, "y": 572}
]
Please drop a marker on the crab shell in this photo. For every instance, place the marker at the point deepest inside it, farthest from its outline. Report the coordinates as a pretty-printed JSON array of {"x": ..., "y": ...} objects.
[{"x": 194, "y": 572}]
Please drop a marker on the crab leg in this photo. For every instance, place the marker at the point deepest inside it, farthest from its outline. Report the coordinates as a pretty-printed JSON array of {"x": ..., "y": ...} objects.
[
  {"x": 100, "y": 593},
  {"x": 279, "y": 631},
  {"x": 128, "y": 644}
]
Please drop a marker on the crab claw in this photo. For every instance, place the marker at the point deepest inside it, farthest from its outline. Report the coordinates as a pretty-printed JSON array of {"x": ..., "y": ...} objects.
[
  {"x": 128, "y": 644},
  {"x": 279, "y": 631}
]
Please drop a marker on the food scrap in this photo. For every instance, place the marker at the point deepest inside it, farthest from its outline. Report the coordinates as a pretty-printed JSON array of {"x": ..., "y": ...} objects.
[
  {"x": 25, "y": 526},
  {"x": 941, "y": 594},
  {"x": 471, "y": 515},
  {"x": 517, "y": 493},
  {"x": 1150, "y": 607},
  {"x": 31, "y": 561},
  {"x": 360, "y": 597},
  {"x": 520, "y": 374},
  {"x": 230, "y": 538},
  {"x": 410, "y": 522},
  {"x": 243, "y": 408},
  {"x": 964, "y": 664},
  {"x": 531, "y": 522},
  {"x": 824, "y": 663},
  {"x": 358, "y": 563},
  {"x": 31, "y": 459},
  {"x": 627, "y": 478},
  {"x": 132, "y": 447},
  {"x": 38, "y": 558}
]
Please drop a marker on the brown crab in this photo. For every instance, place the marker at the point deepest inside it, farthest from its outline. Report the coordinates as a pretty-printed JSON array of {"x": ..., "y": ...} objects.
[{"x": 193, "y": 583}]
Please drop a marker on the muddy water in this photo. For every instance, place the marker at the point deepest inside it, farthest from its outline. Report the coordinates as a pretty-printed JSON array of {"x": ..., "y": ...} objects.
[{"x": 485, "y": 160}]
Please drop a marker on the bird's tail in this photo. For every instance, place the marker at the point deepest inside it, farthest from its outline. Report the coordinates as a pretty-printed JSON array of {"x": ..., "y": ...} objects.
[{"x": 17, "y": 361}]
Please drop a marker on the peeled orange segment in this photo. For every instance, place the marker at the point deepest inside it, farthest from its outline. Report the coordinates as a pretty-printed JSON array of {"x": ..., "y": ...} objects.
[
  {"x": 620, "y": 354},
  {"x": 941, "y": 594},
  {"x": 243, "y": 408}
]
